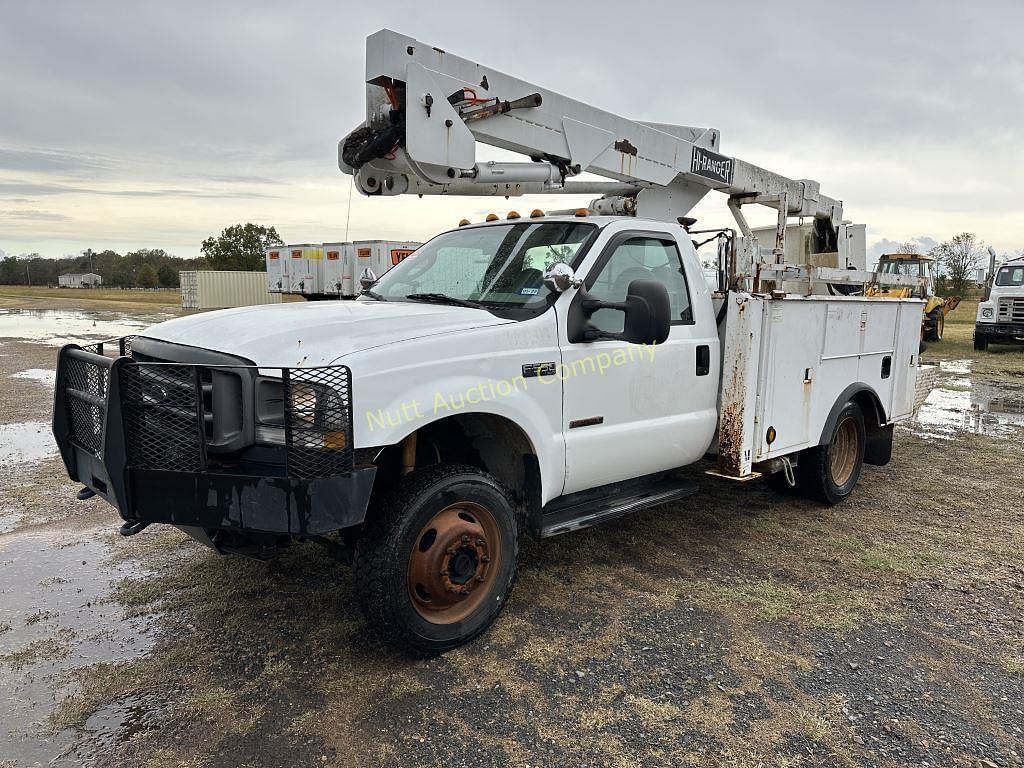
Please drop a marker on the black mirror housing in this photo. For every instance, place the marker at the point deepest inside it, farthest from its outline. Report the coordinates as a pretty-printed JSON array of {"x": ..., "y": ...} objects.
[
  {"x": 648, "y": 313},
  {"x": 647, "y": 309}
]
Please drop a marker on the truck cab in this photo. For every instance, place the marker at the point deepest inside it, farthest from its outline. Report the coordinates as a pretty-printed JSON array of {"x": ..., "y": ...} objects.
[{"x": 1001, "y": 313}]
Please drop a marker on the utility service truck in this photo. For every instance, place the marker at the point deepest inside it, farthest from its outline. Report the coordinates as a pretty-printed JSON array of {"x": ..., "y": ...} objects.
[
  {"x": 1001, "y": 311},
  {"x": 538, "y": 371}
]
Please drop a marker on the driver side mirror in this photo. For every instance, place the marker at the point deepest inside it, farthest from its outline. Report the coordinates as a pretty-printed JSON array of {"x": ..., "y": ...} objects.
[
  {"x": 367, "y": 278},
  {"x": 648, "y": 315}
]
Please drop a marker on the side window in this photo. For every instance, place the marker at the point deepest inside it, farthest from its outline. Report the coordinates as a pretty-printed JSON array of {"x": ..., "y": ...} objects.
[{"x": 635, "y": 259}]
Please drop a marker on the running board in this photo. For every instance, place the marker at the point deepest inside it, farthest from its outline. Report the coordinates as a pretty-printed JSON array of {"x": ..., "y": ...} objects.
[{"x": 619, "y": 502}]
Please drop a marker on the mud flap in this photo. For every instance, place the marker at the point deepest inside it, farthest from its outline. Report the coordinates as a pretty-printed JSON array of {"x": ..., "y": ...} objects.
[{"x": 878, "y": 450}]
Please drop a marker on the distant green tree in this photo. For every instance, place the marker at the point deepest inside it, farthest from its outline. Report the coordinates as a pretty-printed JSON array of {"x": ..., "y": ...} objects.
[
  {"x": 958, "y": 257},
  {"x": 240, "y": 247},
  {"x": 167, "y": 276},
  {"x": 12, "y": 271},
  {"x": 147, "y": 276}
]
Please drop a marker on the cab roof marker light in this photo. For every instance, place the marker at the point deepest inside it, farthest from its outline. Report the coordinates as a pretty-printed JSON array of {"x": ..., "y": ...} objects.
[
  {"x": 582, "y": 211},
  {"x": 512, "y": 215},
  {"x": 463, "y": 222},
  {"x": 491, "y": 217},
  {"x": 536, "y": 213}
]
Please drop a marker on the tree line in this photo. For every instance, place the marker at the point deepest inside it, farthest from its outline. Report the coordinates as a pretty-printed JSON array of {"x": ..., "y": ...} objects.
[
  {"x": 238, "y": 247},
  {"x": 958, "y": 260}
]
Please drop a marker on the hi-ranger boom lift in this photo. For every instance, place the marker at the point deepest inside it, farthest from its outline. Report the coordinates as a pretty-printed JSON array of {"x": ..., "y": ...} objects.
[{"x": 427, "y": 109}]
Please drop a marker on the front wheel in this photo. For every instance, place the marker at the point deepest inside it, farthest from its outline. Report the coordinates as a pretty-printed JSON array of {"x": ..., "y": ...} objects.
[
  {"x": 980, "y": 342},
  {"x": 938, "y": 318},
  {"x": 436, "y": 566},
  {"x": 829, "y": 473}
]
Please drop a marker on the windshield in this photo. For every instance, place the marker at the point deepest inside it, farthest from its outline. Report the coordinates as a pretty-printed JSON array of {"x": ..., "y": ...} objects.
[
  {"x": 901, "y": 267},
  {"x": 1010, "y": 276},
  {"x": 497, "y": 266}
]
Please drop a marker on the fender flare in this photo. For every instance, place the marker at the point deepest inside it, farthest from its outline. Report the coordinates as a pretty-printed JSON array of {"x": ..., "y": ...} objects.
[{"x": 876, "y": 413}]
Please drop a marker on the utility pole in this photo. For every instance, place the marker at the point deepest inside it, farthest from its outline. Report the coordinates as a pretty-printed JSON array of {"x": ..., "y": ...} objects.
[{"x": 89, "y": 254}]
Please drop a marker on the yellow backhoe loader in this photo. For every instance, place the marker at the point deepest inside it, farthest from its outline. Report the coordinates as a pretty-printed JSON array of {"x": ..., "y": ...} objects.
[{"x": 917, "y": 265}]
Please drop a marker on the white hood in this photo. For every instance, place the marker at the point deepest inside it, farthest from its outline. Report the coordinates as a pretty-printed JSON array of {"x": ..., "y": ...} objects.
[{"x": 316, "y": 333}]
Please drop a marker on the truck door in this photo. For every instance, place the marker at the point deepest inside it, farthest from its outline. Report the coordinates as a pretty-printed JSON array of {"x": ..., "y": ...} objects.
[{"x": 629, "y": 409}]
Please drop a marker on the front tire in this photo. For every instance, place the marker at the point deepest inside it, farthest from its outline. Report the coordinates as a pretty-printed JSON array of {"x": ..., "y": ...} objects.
[
  {"x": 436, "y": 566},
  {"x": 829, "y": 473},
  {"x": 980, "y": 342},
  {"x": 938, "y": 318}
]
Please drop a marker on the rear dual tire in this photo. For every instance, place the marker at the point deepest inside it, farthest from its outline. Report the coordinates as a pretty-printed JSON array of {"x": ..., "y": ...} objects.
[{"x": 829, "y": 473}]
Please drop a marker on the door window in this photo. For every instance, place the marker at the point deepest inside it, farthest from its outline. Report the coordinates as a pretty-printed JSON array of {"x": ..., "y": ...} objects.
[{"x": 640, "y": 258}]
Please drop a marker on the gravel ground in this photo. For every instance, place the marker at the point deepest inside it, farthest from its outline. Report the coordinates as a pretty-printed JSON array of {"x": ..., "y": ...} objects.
[{"x": 736, "y": 628}]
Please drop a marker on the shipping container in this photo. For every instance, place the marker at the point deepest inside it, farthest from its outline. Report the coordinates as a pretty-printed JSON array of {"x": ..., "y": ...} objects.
[
  {"x": 378, "y": 255},
  {"x": 277, "y": 268},
  {"x": 305, "y": 269},
  {"x": 338, "y": 279},
  {"x": 209, "y": 289}
]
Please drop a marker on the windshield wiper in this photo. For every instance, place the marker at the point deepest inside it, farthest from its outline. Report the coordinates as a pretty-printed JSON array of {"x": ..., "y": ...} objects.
[
  {"x": 443, "y": 298},
  {"x": 373, "y": 295}
]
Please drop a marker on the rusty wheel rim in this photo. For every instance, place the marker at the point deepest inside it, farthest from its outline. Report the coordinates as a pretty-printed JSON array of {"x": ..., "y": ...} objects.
[
  {"x": 842, "y": 452},
  {"x": 453, "y": 562}
]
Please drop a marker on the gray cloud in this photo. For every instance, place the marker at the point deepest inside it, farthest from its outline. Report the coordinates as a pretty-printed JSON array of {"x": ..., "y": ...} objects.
[
  {"x": 924, "y": 244},
  {"x": 33, "y": 215},
  {"x": 45, "y": 160},
  {"x": 45, "y": 188},
  {"x": 901, "y": 109}
]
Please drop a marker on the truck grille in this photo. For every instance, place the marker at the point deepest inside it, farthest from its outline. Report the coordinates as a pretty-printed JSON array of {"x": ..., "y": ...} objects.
[{"x": 1011, "y": 310}]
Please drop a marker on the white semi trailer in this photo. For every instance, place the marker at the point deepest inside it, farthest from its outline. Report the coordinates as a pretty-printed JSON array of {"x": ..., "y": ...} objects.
[{"x": 532, "y": 372}]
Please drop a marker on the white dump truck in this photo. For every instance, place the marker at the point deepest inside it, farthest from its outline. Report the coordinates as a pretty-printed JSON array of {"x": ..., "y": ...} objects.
[
  {"x": 1000, "y": 317},
  {"x": 536, "y": 372}
]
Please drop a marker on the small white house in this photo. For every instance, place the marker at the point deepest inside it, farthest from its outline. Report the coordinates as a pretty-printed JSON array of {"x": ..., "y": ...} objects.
[{"x": 79, "y": 280}]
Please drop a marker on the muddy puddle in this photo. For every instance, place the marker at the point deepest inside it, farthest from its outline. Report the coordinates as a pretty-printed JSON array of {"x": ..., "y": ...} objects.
[
  {"x": 25, "y": 442},
  {"x": 45, "y": 376},
  {"x": 963, "y": 403},
  {"x": 55, "y": 616},
  {"x": 56, "y": 327}
]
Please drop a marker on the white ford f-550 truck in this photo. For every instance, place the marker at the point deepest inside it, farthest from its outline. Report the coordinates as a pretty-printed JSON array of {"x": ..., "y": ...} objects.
[{"x": 539, "y": 374}]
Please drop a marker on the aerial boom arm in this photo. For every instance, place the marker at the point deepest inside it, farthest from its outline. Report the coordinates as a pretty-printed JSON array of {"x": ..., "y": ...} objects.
[{"x": 427, "y": 108}]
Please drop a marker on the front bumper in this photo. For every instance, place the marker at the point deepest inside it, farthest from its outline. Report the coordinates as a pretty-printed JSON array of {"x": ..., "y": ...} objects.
[
  {"x": 1001, "y": 330},
  {"x": 136, "y": 433}
]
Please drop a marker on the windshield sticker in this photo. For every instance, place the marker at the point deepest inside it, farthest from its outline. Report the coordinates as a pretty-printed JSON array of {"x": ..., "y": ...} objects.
[{"x": 529, "y": 291}]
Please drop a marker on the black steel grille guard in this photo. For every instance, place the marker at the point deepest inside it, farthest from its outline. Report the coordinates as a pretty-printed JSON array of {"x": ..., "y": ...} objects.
[{"x": 153, "y": 415}]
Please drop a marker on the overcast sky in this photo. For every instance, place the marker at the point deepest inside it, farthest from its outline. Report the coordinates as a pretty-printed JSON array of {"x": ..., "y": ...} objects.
[{"x": 137, "y": 124}]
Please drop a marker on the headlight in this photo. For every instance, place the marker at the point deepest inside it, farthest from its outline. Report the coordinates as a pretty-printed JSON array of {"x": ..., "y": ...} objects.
[
  {"x": 315, "y": 414},
  {"x": 987, "y": 313}
]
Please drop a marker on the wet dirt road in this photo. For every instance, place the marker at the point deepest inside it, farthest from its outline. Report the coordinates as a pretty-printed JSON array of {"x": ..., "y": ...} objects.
[{"x": 736, "y": 628}]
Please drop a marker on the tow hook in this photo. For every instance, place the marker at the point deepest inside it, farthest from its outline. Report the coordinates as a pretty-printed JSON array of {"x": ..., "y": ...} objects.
[
  {"x": 787, "y": 468},
  {"x": 130, "y": 529},
  {"x": 85, "y": 493}
]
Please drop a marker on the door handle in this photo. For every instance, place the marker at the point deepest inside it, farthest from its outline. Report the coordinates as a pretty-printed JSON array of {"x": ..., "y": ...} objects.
[{"x": 703, "y": 360}]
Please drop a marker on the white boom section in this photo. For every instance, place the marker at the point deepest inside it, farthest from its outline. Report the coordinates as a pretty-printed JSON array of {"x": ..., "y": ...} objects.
[{"x": 439, "y": 105}]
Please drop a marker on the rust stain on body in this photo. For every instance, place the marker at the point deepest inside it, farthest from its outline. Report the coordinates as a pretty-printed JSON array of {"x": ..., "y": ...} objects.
[{"x": 624, "y": 146}]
